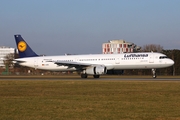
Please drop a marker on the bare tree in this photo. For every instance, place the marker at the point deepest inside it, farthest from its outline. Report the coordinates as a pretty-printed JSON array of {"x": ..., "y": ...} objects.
[
  {"x": 152, "y": 47},
  {"x": 8, "y": 59}
]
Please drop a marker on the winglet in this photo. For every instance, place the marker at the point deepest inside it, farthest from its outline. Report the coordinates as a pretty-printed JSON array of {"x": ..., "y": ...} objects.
[{"x": 23, "y": 48}]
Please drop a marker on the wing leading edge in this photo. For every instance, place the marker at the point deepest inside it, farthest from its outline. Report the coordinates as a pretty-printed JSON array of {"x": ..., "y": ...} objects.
[{"x": 71, "y": 64}]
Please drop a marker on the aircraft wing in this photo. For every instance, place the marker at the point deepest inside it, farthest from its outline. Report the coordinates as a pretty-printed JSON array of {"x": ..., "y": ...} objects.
[{"x": 71, "y": 64}]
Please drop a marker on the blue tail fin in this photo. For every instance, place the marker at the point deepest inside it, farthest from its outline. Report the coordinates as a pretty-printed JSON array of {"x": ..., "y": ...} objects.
[{"x": 23, "y": 48}]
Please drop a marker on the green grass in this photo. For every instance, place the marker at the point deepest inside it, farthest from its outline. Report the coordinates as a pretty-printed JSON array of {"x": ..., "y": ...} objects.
[{"x": 94, "y": 100}]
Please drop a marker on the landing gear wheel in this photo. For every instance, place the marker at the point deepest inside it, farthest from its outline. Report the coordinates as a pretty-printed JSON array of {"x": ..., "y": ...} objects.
[
  {"x": 96, "y": 76},
  {"x": 154, "y": 73},
  {"x": 84, "y": 75}
]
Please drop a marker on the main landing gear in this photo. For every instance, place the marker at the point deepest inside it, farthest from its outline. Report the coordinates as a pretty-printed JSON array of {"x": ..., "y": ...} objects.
[
  {"x": 154, "y": 73},
  {"x": 85, "y": 76},
  {"x": 96, "y": 76}
]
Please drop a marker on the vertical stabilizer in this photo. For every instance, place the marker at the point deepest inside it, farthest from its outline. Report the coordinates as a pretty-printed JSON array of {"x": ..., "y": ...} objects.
[{"x": 23, "y": 48}]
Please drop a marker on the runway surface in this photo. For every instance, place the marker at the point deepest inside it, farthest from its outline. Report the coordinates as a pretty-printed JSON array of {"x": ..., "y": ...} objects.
[{"x": 76, "y": 77}]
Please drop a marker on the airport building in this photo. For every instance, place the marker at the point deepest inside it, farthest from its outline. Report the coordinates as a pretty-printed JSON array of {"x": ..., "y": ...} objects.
[
  {"x": 4, "y": 51},
  {"x": 119, "y": 46}
]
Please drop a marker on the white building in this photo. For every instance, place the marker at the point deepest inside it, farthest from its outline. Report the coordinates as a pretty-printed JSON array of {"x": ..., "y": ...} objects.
[
  {"x": 5, "y": 51},
  {"x": 118, "y": 46}
]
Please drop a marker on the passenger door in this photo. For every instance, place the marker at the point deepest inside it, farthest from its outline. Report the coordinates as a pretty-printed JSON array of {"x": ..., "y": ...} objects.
[
  {"x": 35, "y": 63},
  {"x": 151, "y": 58}
]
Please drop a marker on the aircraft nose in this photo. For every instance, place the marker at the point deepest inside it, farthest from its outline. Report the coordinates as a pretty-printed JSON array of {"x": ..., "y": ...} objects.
[{"x": 171, "y": 62}]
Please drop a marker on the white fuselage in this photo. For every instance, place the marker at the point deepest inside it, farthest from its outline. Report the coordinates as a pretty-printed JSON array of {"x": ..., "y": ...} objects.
[{"x": 111, "y": 61}]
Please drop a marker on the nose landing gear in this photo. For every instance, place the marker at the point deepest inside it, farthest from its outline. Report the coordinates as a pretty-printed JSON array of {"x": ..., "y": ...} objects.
[{"x": 154, "y": 73}]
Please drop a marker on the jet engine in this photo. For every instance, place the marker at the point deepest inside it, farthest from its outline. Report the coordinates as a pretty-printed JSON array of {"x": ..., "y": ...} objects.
[{"x": 96, "y": 70}]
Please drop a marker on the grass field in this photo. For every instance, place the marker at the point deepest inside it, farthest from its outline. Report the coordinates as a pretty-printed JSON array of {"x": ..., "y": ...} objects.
[{"x": 89, "y": 100}]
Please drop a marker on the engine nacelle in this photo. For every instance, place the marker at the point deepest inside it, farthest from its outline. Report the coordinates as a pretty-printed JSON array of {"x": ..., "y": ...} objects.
[{"x": 96, "y": 70}]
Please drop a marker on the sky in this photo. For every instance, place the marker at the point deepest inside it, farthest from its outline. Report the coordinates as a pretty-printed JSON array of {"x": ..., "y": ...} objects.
[{"x": 56, "y": 27}]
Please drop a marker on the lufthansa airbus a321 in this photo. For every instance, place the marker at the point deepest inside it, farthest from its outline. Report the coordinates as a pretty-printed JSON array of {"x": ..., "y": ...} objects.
[{"x": 92, "y": 64}]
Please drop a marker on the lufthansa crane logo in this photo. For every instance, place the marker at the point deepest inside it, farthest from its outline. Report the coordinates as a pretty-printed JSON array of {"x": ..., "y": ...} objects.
[{"x": 22, "y": 46}]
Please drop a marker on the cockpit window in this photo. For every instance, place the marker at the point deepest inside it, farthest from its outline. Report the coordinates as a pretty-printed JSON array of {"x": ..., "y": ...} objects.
[{"x": 163, "y": 57}]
